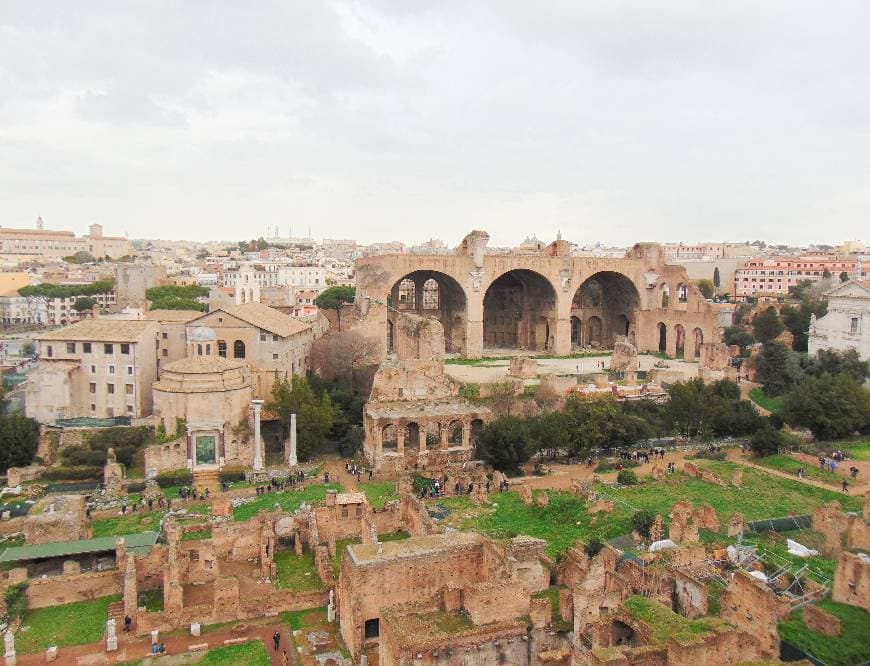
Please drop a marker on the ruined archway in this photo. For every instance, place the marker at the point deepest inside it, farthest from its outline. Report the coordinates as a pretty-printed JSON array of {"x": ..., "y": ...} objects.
[
  {"x": 576, "y": 332},
  {"x": 699, "y": 340},
  {"x": 663, "y": 337},
  {"x": 680, "y": 334},
  {"x": 390, "y": 437},
  {"x": 434, "y": 294},
  {"x": 519, "y": 311},
  {"x": 610, "y": 298},
  {"x": 412, "y": 437}
]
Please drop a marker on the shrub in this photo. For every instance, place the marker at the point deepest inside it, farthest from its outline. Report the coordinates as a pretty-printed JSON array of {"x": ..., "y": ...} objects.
[
  {"x": 704, "y": 454},
  {"x": 179, "y": 477},
  {"x": 626, "y": 477},
  {"x": 642, "y": 521},
  {"x": 81, "y": 473},
  {"x": 136, "y": 487},
  {"x": 594, "y": 546},
  {"x": 766, "y": 441},
  {"x": 610, "y": 465},
  {"x": 16, "y": 601},
  {"x": 232, "y": 474}
]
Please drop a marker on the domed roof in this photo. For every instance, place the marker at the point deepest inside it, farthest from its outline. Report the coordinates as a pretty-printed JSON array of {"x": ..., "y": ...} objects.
[{"x": 202, "y": 334}]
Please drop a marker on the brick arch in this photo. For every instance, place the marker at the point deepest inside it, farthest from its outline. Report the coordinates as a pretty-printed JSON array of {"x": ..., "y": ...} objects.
[
  {"x": 520, "y": 311},
  {"x": 610, "y": 300},
  {"x": 446, "y": 300}
]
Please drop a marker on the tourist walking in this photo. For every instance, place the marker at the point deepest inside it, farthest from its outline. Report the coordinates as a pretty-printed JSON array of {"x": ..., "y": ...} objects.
[{"x": 276, "y": 640}]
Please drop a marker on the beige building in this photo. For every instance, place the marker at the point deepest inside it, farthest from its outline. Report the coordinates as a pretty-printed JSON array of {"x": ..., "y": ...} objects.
[
  {"x": 99, "y": 368},
  {"x": 42, "y": 244},
  {"x": 270, "y": 342},
  {"x": 172, "y": 341}
]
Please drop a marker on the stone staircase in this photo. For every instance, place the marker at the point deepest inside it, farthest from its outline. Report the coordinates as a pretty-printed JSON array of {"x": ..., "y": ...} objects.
[{"x": 116, "y": 612}]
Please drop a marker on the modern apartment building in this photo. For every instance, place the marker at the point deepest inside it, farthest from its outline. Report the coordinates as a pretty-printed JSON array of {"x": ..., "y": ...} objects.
[{"x": 773, "y": 276}]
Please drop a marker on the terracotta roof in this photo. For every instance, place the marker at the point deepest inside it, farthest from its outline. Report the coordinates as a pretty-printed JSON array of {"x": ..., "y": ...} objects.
[
  {"x": 172, "y": 315},
  {"x": 269, "y": 319},
  {"x": 202, "y": 365},
  {"x": 101, "y": 330}
]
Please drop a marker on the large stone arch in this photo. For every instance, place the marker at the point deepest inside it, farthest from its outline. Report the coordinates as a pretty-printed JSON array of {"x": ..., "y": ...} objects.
[
  {"x": 612, "y": 299},
  {"x": 520, "y": 311},
  {"x": 430, "y": 293}
]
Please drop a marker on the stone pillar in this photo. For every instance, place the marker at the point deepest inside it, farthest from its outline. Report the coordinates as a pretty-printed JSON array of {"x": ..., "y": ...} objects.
[
  {"x": 400, "y": 439},
  {"x": 562, "y": 342},
  {"x": 258, "y": 443},
  {"x": 111, "y": 636},
  {"x": 422, "y": 432},
  {"x": 292, "y": 460},
  {"x": 466, "y": 435},
  {"x": 330, "y": 609},
  {"x": 9, "y": 652},
  {"x": 131, "y": 590},
  {"x": 445, "y": 434}
]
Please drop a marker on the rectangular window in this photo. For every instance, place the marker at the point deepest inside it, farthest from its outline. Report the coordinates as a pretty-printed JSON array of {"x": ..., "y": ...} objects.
[
  {"x": 128, "y": 389},
  {"x": 129, "y": 369},
  {"x": 274, "y": 338},
  {"x": 111, "y": 369},
  {"x": 70, "y": 347},
  {"x": 93, "y": 369},
  {"x": 108, "y": 348},
  {"x": 93, "y": 407},
  {"x": 86, "y": 347},
  {"x": 125, "y": 348},
  {"x": 110, "y": 412},
  {"x": 49, "y": 351},
  {"x": 166, "y": 352},
  {"x": 274, "y": 357},
  {"x": 110, "y": 389},
  {"x": 165, "y": 336},
  {"x": 853, "y": 326},
  {"x": 129, "y": 409},
  {"x": 262, "y": 337},
  {"x": 93, "y": 387}
]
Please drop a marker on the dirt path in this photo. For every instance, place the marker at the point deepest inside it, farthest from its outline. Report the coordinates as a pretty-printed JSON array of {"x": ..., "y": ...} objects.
[
  {"x": 177, "y": 643},
  {"x": 855, "y": 488},
  {"x": 338, "y": 473}
]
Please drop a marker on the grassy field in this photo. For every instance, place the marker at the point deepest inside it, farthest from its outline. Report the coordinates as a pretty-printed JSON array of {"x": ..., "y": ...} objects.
[
  {"x": 70, "y": 624},
  {"x": 289, "y": 500},
  {"x": 789, "y": 465},
  {"x": 666, "y": 624},
  {"x": 760, "y": 398},
  {"x": 152, "y": 600},
  {"x": 130, "y": 523},
  {"x": 859, "y": 451},
  {"x": 245, "y": 654},
  {"x": 379, "y": 492},
  {"x": 565, "y": 519},
  {"x": 774, "y": 552},
  {"x": 204, "y": 533},
  {"x": 298, "y": 574},
  {"x": 850, "y": 647},
  {"x": 304, "y": 618}
]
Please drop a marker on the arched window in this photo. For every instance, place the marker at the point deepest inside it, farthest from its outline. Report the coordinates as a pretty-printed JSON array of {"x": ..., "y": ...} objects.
[
  {"x": 431, "y": 295},
  {"x": 222, "y": 348},
  {"x": 208, "y": 350},
  {"x": 407, "y": 295},
  {"x": 238, "y": 349},
  {"x": 682, "y": 293},
  {"x": 666, "y": 295},
  {"x": 199, "y": 350}
]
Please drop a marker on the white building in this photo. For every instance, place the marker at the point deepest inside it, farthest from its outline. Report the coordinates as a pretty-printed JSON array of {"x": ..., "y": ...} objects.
[{"x": 847, "y": 323}]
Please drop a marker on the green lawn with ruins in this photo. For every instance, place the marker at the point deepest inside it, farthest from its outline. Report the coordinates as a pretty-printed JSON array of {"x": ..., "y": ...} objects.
[
  {"x": 565, "y": 520},
  {"x": 789, "y": 465},
  {"x": 253, "y": 653},
  {"x": 667, "y": 624},
  {"x": 850, "y": 647},
  {"x": 858, "y": 451},
  {"x": 130, "y": 523},
  {"x": 379, "y": 493},
  {"x": 298, "y": 574},
  {"x": 289, "y": 500},
  {"x": 70, "y": 624}
]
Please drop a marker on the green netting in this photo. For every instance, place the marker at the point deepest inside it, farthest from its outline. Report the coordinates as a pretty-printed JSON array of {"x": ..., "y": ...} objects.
[
  {"x": 88, "y": 422},
  {"x": 781, "y": 524},
  {"x": 13, "y": 379}
]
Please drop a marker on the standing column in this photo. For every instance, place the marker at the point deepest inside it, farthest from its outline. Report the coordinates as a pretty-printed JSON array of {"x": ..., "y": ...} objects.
[
  {"x": 258, "y": 443},
  {"x": 292, "y": 461}
]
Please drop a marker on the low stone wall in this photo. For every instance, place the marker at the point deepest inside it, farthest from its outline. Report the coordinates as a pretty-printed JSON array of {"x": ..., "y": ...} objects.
[{"x": 55, "y": 590}]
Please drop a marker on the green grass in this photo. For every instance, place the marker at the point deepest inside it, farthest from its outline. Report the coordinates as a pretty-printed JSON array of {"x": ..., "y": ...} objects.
[
  {"x": 760, "y": 398},
  {"x": 195, "y": 535},
  {"x": 850, "y": 647},
  {"x": 451, "y": 623},
  {"x": 860, "y": 451},
  {"x": 789, "y": 465},
  {"x": 379, "y": 493},
  {"x": 485, "y": 361},
  {"x": 289, "y": 500},
  {"x": 565, "y": 519},
  {"x": 308, "y": 617},
  {"x": 131, "y": 523},
  {"x": 667, "y": 624},
  {"x": 69, "y": 624},
  {"x": 245, "y": 654},
  {"x": 298, "y": 574},
  {"x": 152, "y": 600}
]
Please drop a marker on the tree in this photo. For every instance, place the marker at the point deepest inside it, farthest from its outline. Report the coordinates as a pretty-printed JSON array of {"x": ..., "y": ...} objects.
[
  {"x": 725, "y": 388},
  {"x": 830, "y": 406},
  {"x": 826, "y": 274},
  {"x": 778, "y": 370},
  {"x": 175, "y": 297},
  {"x": 314, "y": 416},
  {"x": 552, "y": 432},
  {"x": 689, "y": 408},
  {"x": 504, "y": 443},
  {"x": 706, "y": 287},
  {"x": 49, "y": 290},
  {"x": 333, "y": 298},
  {"x": 28, "y": 349},
  {"x": 20, "y": 437},
  {"x": 594, "y": 546},
  {"x": 84, "y": 303},
  {"x": 626, "y": 477},
  {"x": 80, "y": 257},
  {"x": 736, "y": 335},
  {"x": 834, "y": 362},
  {"x": 844, "y": 277},
  {"x": 716, "y": 278},
  {"x": 766, "y": 325},
  {"x": 766, "y": 441},
  {"x": 642, "y": 521},
  {"x": 347, "y": 356}
]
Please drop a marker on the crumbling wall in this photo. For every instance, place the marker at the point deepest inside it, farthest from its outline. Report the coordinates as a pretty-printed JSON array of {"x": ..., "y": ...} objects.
[
  {"x": 691, "y": 595},
  {"x": 852, "y": 580},
  {"x": 753, "y": 607},
  {"x": 65, "y": 589},
  {"x": 493, "y": 602}
]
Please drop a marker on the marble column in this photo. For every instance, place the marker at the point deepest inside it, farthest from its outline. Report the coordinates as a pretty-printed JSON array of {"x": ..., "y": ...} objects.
[
  {"x": 258, "y": 441},
  {"x": 292, "y": 460}
]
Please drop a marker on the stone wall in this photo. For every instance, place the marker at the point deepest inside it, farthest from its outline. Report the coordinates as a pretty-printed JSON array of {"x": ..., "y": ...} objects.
[
  {"x": 494, "y": 602},
  {"x": 65, "y": 589},
  {"x": 852, "y": 580},
  {"x": 753, "y": 607},
  {"x": 691, "y": 594}
]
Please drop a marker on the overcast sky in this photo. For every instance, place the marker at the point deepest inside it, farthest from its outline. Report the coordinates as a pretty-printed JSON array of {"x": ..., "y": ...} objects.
[{"x": 614, "y": 121}]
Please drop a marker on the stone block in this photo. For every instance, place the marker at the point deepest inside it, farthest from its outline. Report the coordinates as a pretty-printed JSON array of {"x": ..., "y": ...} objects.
[
  {"x": 195, "y": 629},
  {"x": 51, "y": 653},
  {"x": 541, "y": 612}
]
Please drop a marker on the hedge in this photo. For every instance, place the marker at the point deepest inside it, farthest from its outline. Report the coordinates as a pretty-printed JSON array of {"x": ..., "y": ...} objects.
[
  {"x": 136, "y": 487},
  {"x": 232, "y": 474},
  {"x": 180, "y": 477}
]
